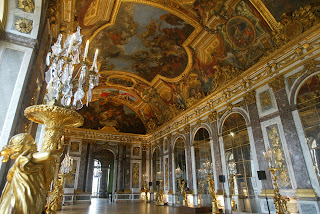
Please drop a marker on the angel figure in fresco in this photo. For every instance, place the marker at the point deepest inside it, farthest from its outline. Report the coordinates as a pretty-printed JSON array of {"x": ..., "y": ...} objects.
[{"x": 25, "y": 191}]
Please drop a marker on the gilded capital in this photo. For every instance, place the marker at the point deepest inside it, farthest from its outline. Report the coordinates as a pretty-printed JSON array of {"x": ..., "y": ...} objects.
[
  {"x": 250, "y": 97},
  {"x": 187, "y": 128},
  {"x": 277, "y": 83},
  {"x": 213, "y": 116}
]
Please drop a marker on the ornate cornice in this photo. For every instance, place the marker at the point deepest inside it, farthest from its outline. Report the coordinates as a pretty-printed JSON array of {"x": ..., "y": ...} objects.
[{"x": 102, "y": 136}]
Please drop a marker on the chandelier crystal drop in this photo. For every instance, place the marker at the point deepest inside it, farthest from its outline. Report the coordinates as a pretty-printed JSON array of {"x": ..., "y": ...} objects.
[
  {"x": 68, "y": 75},
  {"x": 66, "y": 165}
]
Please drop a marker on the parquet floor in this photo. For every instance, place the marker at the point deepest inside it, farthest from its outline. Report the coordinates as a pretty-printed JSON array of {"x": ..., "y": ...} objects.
[{"x": 101, "y": 206}]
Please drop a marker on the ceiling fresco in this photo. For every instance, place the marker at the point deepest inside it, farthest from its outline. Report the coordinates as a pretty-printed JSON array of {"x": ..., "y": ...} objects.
[
  {"x": 144, "y": 41},
  {"x": 162, "y": 57},
  {"x": 109, "y": 116}
]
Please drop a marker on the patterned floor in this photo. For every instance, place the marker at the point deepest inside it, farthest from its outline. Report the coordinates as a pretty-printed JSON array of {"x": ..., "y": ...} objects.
[{"x": 100, "y": 206}]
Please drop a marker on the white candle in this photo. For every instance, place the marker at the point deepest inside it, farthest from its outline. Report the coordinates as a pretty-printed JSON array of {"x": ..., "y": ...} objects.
[
  {"x": 95, "y": 57},
  {"x": 86, "y": 50},
  {"x": 71, "y": 43}
]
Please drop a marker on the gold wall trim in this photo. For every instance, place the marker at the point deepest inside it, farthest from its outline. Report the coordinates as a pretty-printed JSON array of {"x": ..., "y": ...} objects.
[{"x": 3, "y": 14}]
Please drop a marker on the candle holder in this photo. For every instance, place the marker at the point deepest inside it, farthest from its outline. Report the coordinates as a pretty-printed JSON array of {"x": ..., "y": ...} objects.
[
  {"x": 56, "y": 196},
  {"x": 272, "y": 158}
]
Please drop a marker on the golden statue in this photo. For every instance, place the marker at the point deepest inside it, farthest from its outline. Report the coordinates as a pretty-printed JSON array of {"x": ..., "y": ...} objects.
[
  {"x": 25, "y": 191},
  {"x": 182, "y": 185}
]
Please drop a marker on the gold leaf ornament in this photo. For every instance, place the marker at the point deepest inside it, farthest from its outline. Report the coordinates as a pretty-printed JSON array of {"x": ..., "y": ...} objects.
[
  {"x": 23, "y": 25},
  {"x": 26, "y": 5}
]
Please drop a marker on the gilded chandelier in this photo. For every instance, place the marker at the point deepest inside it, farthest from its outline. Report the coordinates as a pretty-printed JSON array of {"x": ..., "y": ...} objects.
[{"x": 69, "y": 75}]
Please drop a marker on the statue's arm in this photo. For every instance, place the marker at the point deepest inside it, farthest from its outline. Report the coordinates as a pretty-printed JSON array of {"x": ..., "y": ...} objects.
[{"x": 40, "y": 157}]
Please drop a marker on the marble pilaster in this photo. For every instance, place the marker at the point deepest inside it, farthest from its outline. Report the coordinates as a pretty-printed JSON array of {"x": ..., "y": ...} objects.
[
  {"x": 83, "y": 166},
  {"x": 258, "y": 137},
  {"x": 216, "y": 154},
  {"x": 120, "y": 186},
  {"x": 291, "y": 135},
  {"x": 90, "y": 166}
]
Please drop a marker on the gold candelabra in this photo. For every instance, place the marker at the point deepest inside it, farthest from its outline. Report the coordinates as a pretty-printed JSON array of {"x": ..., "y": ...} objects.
[
  {"x": 145, "y": 188},
  {"x": 232, "y": 171},
  {"x": 179, "y": 173},
  {"x": 56, "y": 196},
  {"x": 212, "y": 191},
  {"x": 201, "y": 190},
  {"x": 231, "y": 182},
  {"x": 280, "y": 203},
  {"x": 160, "y": 201},
  {"x": 182, "y": 185},
  {"x": 208, "y": 166}
]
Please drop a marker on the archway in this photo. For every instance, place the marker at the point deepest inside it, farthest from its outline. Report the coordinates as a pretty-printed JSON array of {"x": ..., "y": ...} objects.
[
  {"x": 103, "y": 174},
  {"x": 238, "y": 161}
]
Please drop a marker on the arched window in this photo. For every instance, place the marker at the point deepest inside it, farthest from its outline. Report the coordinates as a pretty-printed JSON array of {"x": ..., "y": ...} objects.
[
  {"x": 202, "y": 153},
  {"x": 308, "y": 102},
  {"x": 238, "y": 160}
]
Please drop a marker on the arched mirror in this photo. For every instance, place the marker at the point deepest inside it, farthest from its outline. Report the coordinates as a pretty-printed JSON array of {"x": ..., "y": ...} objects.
[
  {"x": 202, "y": 155},
  {"x": 238, "y": 162},
  {"x": 180, "y": 167},
  {"x": 308, "y": 102}
]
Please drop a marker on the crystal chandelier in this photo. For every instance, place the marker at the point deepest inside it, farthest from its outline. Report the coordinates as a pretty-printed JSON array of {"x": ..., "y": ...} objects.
[
  {"x": 66, "y": 165},
  {"x": 68, "y": 74}
]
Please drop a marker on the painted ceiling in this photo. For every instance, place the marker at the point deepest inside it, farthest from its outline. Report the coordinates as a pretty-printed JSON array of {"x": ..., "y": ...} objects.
[{"x": 159, "y": 58}]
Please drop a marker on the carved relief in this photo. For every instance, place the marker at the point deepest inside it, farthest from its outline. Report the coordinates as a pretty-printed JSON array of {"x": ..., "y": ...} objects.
[
  {"x": 135, "y": 175},
  {"x": 265, "y": 100},
  {"x": 23, "y": 25},
  {"x": 166, "y": 174},
  {"x": 26, "y": 5},
  {"x": 275, "y": 143},
  {"x": 135, "y": 151},
  {"x": 295, "y": 23},
  {"x": 250, "y": 97}
]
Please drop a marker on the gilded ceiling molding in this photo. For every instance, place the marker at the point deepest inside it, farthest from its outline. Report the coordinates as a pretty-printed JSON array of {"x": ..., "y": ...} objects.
[
  {"x": 295, "y": 23},
  {"x": 265, "y": 13},
  {"x": 277, "y": 83},
  {"x": 97, "y": 135}
]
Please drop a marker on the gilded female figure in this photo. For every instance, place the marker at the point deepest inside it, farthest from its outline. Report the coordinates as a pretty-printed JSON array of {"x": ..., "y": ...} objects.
[{"x": 25, "y": 191}]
